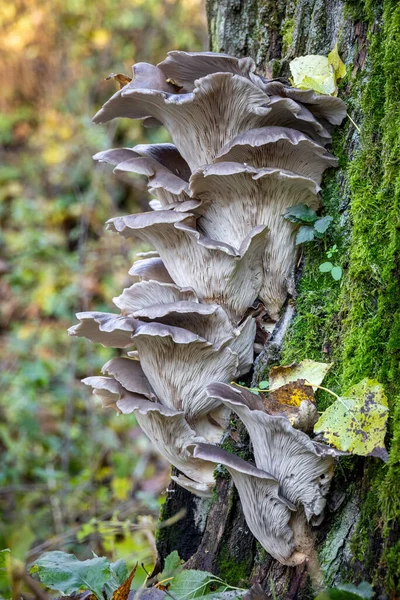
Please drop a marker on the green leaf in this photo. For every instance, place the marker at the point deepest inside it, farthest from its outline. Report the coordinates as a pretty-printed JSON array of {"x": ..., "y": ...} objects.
[
  {"x": 305, "y": 234},
  {"x": 326, "y": 267},
  {"x": 263, "y": 385},
  {"x": 190, "y": 584},
  {"x": 300, "y": 213},
  {"x": 321, "y": 225},
  {"x": 5, "y": 583},
  {"x": 356, "y": 423},
  {"x": 348, "y": 591},
  {"x": 119, "y": 571},
  {"x": 65, "y": 573},
  {"x": 172, "y": 566},
  {"x": 337, "y": 273}
]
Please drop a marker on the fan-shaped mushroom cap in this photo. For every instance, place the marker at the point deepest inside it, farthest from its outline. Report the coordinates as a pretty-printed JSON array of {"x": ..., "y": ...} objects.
[
  {"x": 107, "y": 329},
  {"x": 129, "y": 374},
  {"x": 203, "y": 490},
  {"x": 281, "y": 148},
  {"x": 267, "y": 513},
  {"x": 323, "y": 106},
  {"x": 303, "y": 467},
  {"x": 236, "y": 198},
  {"x": 167, "y": 429},
  {"x": 216, "y": 271},
  {"x": 179, "y": 364},
  {"x": 221, "y": 106},
  {"x": 164, "y": 167},
  {"x": 170, "y": 305},
  {"x": 149, "y": 269},
  {"x": 185, "y": 67}
]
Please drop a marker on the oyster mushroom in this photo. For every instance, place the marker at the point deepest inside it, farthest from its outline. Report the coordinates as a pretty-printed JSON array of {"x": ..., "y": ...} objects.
[
  {"x": 109, "y": 330},
  {"x": 278, "y": 147},
  {"x": 217, "y": 272},
  {"x": 185, "y": 67},
  {"x": 164, "y": 167},
  {"x": 168, "y": 304},
  {"x": 260, "y": 196},
  {"x": 267, "y": 512},
  {"x": 167, "y": 429},
  {"x": 304, "y": 468},
  {"x": 221, "y": 106}
]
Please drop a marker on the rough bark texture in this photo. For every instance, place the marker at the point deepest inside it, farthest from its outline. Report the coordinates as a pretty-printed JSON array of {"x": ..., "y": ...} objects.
[{"x": 355, "y": 323}]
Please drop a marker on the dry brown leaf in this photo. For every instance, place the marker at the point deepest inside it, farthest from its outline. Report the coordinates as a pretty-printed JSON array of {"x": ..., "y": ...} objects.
[
  {"x": 293, "y": 393},
  {"x": 122, "y": 79},
  {"x": 122, "y": 592}
]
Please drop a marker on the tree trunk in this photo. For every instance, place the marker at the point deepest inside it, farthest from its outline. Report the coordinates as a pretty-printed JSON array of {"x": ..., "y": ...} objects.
[{"x": 354, "y": 323}]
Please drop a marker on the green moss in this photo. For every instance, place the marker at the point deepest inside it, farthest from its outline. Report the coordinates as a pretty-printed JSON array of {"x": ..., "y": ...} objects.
[
  {"x": 357, "y": 323},
  {"x": 287, "y": 34},
  {"x": 233, "y": 571}
]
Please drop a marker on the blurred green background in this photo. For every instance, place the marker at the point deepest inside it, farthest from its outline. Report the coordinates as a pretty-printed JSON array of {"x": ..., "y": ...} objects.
[{"x": 73, "y": 477}]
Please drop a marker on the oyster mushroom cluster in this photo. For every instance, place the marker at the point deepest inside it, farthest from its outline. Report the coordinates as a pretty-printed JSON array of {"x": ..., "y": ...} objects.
[{"x": 244, "y": 150}]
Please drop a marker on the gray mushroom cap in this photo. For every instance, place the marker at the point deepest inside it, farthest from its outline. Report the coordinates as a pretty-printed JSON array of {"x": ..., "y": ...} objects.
[
  {"x": 170, "y": 305},
  {"x": 162, "y": 164},
  {"x": 109, "y": 330},
  {"x": 188, "y": 364},
  {"x": 167, "y": 429},
  {"x": 149, "y": 269},
  {"x": 281, "y": 148},
  {"x": 267, "y": 513},
  {"x": 129, "y": 374},
  {"x": 303, "y": 467},
  {"x": 323, "y": 106},
  {"x": 185, "y": 67},
  {"x": 190, "y": 118},
  {"x": 236, "y": 197},
  {"x": 216, "y": 271}
]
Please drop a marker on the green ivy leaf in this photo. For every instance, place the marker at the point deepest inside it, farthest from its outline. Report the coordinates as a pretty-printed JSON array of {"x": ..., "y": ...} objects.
[
  {"x": 337, "y": 273},
  {"x": 321, "y": 225},
  {"x": 300, "y": 213},
  {"x": 356, "y": 422},
  {"x": 66, "y": 574},
  {"x": 305, "y": 234},
  {"x": 326, "y": 267}
]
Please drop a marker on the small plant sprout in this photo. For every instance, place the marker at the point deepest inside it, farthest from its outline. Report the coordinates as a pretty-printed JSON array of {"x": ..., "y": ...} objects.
[
  {"x": 336, "y": 271},
  {"x": 311, "y": 226}
]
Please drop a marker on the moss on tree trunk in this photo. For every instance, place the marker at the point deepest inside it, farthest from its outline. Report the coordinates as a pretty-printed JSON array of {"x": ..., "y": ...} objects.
[{"x": 356, "y": 322}]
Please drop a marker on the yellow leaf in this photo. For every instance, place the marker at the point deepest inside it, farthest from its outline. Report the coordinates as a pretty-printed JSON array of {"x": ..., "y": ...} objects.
[
  {"x": 100, "y": 38},
  {"x": 311, "y": 371},
  {"x": 338, "y": 65}
]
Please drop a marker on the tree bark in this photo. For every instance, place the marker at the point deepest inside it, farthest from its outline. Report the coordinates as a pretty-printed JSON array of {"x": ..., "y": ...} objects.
[{"x": 355, "y": 323}]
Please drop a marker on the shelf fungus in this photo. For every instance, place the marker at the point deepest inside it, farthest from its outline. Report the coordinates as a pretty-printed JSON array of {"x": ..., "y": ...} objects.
[
  {"x": 304, "y": 468},
  {"x": 167, "y": 429},
  {"x": 215, "y": 270},
  {"x": 245, "y": 149},
  {"x": 268, "y": 513}
]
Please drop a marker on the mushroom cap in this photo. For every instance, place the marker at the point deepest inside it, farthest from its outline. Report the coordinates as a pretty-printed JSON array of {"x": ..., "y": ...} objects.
[
  {"x": 266, "y": 511},
  {"x": 236, "y": 197},
  {"x": 150, "y": 269},
  {"x": 164, "y": 167},
  {"x": 190, "y": 118},
  {"x": 303, "y": 468},
  {"x": 167, "y": 429},
  {"x": 109, "y": 330},
  {"x": 281, "y": 148},
  {"x": 216, "y": 271}
]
